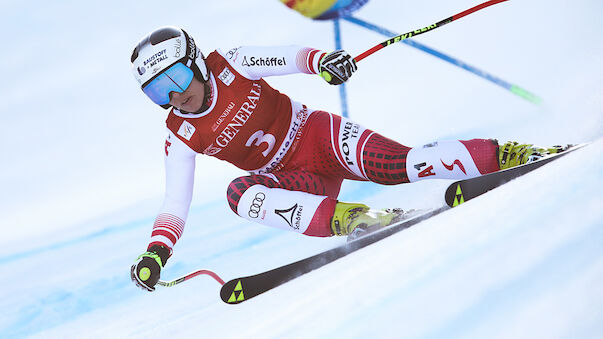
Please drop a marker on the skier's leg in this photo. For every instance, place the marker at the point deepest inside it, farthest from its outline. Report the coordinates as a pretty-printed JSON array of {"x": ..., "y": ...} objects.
[
  {"x": 294, "y": 200},
  {"x": 388, "y": 162},
  {"x": 361, "y": 154},
  {"x": 336, "y": 146}
]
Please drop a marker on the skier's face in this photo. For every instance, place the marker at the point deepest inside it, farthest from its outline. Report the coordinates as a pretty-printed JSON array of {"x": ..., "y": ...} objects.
[{"x": 191, "y": 99}]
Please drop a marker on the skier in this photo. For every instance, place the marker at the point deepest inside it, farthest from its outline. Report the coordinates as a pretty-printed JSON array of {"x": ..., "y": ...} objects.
[{"x": 297, "y": 157}]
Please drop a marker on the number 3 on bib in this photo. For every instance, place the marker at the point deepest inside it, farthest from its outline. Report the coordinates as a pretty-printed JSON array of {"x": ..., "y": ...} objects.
[{"x": 259, "y": 137}]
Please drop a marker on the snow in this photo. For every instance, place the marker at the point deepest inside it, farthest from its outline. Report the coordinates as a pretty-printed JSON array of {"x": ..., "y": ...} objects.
[{"x": 83, "y": 177}]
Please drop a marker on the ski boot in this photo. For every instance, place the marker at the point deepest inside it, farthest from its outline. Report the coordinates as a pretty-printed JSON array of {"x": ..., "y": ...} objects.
[
  {"x": 513, "y": 154},
  {"x": 355, "y": 220}
]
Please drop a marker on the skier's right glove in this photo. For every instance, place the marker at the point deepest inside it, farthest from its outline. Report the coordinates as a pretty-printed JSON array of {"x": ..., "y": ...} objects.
[
  {"x": 146, "y": 270},
  {"x": 337, "y": 67}
]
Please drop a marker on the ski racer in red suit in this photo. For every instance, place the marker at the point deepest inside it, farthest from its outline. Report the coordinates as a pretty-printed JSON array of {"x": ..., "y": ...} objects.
[{"x": 297, "y": 157}]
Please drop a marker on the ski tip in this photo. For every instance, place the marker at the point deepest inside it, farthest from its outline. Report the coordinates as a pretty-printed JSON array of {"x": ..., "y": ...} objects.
[
  {"x": 232, "y": 292},
  {"x": 454, "y": 195}
]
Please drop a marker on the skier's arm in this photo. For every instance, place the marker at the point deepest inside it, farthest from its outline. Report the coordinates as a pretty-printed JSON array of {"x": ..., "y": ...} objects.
[
  {"x": 255, "y": 62},
  {"x": 179, "y": 180},
  {"x": 169, "y": 224}
]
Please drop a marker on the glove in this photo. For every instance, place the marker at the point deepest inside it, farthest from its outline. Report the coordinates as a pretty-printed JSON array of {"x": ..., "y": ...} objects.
[
  {"x": 146, "y": 270},
  {"x": 337, "y": 67}
]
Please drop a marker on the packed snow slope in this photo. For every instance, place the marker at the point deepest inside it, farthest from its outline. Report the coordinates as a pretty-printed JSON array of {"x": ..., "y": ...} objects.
[{"x": 82, "y": 178}]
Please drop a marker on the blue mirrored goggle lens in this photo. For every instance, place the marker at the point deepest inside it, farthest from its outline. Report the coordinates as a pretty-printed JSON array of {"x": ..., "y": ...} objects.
[{"x": 175, "y": 79}]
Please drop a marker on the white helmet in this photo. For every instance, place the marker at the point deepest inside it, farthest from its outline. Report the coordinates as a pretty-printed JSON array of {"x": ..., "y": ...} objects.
[{"x": 168, "y": 49}]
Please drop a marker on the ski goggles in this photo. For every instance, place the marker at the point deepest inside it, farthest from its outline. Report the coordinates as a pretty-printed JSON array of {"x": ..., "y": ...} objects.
[{"x": 177, "y": 78}]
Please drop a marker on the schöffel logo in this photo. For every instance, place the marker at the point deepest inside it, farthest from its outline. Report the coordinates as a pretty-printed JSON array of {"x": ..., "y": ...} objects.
[
  {"x": 268, "y": 61},
  {"x": 256, "y": 205},
  {"x": 292, "y": 215}
]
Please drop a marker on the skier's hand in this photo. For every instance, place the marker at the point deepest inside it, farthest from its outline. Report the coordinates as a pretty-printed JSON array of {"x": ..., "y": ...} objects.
[
  {"x": 146, "y": 270},
  {"x": 337, "y": 67}
]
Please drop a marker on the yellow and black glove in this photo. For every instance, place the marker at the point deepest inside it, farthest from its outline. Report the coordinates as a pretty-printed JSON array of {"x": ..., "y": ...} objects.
[
  {"x": 337, "y": 67},
  {"x": 147, "y": 269}
]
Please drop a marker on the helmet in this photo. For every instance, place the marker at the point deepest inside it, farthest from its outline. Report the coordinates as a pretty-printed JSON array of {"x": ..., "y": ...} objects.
[{"x": 166, "y": 60}]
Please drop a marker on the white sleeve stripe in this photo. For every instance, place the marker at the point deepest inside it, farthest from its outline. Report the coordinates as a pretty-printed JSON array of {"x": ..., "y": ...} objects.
[
  {"x": 302, "y": 60},
  {"x": 316, "y": 61}
]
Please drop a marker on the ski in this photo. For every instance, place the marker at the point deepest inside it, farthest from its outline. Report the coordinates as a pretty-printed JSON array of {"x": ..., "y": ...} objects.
[
  {"x": 242, "y": 289},
  {"x": 461, "y": 191}
]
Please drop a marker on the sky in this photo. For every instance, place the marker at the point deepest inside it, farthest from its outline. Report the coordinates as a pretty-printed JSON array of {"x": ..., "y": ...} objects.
[{"x": 83, "y": 146}]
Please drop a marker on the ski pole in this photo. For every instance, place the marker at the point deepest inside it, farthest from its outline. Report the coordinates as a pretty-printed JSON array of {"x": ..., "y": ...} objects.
[
  {"x": 515, "y": 89},
  {"x": 189, "y": 276},
  {"x": 404, "y": 36}
]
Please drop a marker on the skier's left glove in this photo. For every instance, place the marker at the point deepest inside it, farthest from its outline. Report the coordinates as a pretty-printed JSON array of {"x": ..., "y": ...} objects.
[
  {"x": 147, "y": 269},
  {"x": 337, "y": 67}
]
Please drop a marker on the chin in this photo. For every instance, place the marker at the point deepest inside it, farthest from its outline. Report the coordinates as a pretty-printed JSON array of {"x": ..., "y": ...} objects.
[
  {"x": 198, "y": 107},
  {"x": 190, "y": 109},
  {"x": 194, "y": 110}
]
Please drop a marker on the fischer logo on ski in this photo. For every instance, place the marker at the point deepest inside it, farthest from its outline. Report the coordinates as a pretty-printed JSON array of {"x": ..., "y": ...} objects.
[
  {"x": 237, "y": 295},
  {"x": 458, "y": 197}
]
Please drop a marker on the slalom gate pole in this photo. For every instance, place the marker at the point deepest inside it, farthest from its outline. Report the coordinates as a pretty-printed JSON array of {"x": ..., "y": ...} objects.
[
  {"x": 189, "y": 276},
  {"x": 429, "y": 28},
  {"x": 497, "y": 81},
  {"x": 342, "y": 90}
]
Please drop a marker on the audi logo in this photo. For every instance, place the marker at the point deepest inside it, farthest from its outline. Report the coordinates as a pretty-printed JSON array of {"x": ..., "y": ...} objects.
[{"x": 256, "y": 205}]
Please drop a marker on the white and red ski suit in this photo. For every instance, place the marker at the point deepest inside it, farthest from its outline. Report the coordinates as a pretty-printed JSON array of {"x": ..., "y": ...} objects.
[{"x": 297, "y": 157}]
